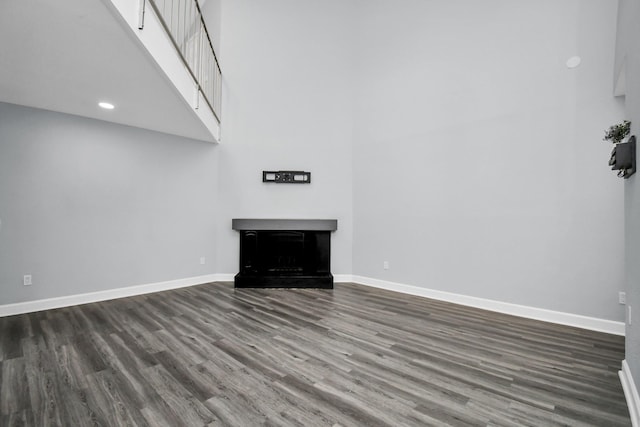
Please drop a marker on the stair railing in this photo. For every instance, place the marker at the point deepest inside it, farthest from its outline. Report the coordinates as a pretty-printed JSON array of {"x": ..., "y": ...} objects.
[{"x": 182, "y": 21}]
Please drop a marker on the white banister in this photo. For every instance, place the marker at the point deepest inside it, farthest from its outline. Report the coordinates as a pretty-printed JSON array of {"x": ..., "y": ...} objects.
[{"x": 182, "y": 21}]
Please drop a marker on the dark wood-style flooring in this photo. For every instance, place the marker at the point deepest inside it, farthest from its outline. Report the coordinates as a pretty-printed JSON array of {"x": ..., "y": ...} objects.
[{"x": 352, "y": 356}]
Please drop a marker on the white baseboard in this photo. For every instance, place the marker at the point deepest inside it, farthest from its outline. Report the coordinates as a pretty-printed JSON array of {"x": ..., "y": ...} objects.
[
  {"x": 66, "y": 301},
  {"x": 226, "y": 277},
  {"x": 584, "y": 322},
  {"x": 342, "y": 278},
  {"x": 630, "y": 393}
]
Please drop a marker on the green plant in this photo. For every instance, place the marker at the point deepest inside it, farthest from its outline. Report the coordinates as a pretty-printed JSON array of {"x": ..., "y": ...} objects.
[{"x": 617, "y": 133}]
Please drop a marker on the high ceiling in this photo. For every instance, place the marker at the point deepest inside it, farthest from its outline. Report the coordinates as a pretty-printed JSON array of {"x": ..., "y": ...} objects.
[{"x": 68, "y": 55}]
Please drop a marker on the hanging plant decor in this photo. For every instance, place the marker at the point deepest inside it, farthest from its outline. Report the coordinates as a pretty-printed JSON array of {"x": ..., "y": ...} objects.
[{"x": 617, "y": 133}]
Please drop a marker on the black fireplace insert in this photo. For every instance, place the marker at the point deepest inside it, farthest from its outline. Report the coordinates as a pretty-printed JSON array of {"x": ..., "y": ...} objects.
[{"x": 285, "y": 253}]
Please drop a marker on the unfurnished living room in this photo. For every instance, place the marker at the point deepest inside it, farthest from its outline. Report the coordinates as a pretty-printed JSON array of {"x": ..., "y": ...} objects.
[{"x": 319, "y": 213}]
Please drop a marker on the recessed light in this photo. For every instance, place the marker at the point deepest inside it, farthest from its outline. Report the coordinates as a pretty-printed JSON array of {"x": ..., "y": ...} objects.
[
  {"x": 573, "y": 62},
  {"x": 106, "y": 105}
]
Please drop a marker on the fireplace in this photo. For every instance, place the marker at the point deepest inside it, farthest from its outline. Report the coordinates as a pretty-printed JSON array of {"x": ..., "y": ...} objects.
[{"x": 279, "y": 253}]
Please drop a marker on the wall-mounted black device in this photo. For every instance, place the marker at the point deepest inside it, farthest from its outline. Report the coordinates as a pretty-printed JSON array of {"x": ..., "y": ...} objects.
[
  {"x": 623, "y": 158},
  {"x": 286, "y": 177}
]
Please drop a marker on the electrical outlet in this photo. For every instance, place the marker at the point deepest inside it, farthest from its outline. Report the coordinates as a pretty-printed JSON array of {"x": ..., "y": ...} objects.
[
  {"x": 203, "y": 260},
  {"x": 622, "y": 297},
  {"x": 26, "y": 280},
  {"x": 385, "y": 265}
]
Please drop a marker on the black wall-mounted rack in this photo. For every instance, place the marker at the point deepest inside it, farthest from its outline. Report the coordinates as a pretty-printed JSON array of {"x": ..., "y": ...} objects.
[
  {"x": 623, "y": 158},
  {"x": 287, "y": 177}
]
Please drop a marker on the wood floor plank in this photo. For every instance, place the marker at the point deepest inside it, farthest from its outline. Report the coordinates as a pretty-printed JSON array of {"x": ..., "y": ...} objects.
[
  {"x": 113, "y": 398},
  {"x": 14, "y": 392},
  {"x": 47, "y": 403},
  {"x": 186, "y": 408},
  {"x": 11, "y": 332},
  {"x": 351, "y": 356},
  {"x": 18, "y": 419}
]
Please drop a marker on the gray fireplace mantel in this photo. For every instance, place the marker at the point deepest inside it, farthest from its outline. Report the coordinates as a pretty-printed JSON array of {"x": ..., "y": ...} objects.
[{"x": 285, "y": 224}]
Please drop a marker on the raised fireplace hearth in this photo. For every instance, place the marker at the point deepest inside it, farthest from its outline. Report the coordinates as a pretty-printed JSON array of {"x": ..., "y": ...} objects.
[{"x": 285, "y": 253}]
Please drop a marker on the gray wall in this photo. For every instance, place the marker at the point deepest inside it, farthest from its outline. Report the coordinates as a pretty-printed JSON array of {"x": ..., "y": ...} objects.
[
  {"x": 628, "y": 50},
  {"x": 287, "y": 106},
  {"x": 478, "y": 162},
  {"x": 87, "y": 205}
]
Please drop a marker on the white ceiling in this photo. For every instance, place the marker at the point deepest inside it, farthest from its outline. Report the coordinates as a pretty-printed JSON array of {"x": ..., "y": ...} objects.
[{"x": 67, "y": 55}]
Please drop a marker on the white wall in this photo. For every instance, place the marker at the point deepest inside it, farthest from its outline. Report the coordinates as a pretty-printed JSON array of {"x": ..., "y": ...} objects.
[
  {"x": 212, "y": 15},
  {"x": 287, "y": 106},
  {"x": 478, "y": 162},
  {"x": 89, "y": 206},
  {"x": 628, "y": 50}
]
